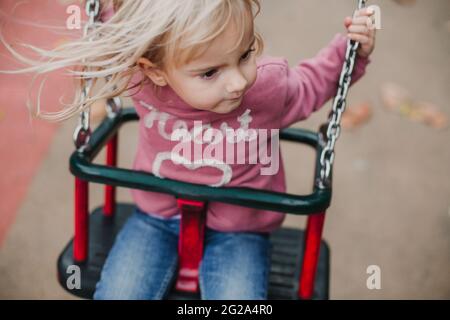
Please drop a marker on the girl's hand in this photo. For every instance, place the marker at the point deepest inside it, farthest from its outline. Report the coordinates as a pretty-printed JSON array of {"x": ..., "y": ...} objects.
[{"x": 358, "y": 30}]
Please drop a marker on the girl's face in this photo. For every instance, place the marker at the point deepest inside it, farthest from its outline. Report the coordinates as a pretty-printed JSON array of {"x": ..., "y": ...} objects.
[{"x": 216, "y": 81}]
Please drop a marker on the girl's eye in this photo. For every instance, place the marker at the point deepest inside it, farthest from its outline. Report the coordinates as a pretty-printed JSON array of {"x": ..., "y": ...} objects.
[
  {"x": 247, "y": 54},
  {"x": 209, "y": 74}
]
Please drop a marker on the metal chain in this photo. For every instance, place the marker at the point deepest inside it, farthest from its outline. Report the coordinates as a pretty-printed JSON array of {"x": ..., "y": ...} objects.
[
  {"x": 339, "y": 103},
  {"x": 82, "y": 131}
]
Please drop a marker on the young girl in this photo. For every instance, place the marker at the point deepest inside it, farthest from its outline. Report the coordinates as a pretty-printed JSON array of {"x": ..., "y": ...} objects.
[{"x": 197, "y": 68}]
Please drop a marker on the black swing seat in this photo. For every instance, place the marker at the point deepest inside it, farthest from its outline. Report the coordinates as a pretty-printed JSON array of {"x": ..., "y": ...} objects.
[{"x": 285, "y": 261}]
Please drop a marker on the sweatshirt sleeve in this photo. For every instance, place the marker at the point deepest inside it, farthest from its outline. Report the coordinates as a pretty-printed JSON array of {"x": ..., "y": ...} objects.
[{"x": 314, "y": 81}]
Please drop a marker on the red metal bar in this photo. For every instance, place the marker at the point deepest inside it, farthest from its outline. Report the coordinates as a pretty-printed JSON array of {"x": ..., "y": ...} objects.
[
  {"x": 313, "y": 236},
  {"x": 110, "y": 191},
  {"x": 190, "y": 245},
  {"x": 80, "y": 245}
]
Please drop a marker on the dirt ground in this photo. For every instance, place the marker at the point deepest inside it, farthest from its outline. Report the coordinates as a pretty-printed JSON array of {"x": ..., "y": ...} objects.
[{"x": 391, "y": 197}]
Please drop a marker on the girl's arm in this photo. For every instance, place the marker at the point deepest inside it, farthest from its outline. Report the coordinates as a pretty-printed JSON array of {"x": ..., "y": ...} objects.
[{"x": 314, "y": 81}]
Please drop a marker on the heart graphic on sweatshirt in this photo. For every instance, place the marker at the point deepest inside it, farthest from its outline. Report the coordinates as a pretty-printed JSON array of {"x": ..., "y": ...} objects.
[{"x": 202, "y": 163}]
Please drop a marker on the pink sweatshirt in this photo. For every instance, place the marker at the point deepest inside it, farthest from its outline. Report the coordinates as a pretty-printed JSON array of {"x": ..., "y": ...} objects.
[{"x": 279, "y": 97}]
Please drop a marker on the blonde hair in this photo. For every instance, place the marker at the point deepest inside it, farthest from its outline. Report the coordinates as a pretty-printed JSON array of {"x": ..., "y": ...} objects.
[{"x": 163, "y": 31}]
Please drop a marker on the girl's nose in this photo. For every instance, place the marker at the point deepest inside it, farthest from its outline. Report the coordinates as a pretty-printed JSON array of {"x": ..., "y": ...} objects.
[{"x": 237, "y": 83}]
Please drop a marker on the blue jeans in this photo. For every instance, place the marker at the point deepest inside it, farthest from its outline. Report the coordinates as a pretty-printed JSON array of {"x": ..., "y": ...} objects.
[{"x": 142, "y": 263}]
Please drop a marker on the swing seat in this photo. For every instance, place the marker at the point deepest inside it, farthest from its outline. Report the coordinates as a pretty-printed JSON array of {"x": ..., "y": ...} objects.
[
  {"x": 284, "y": 273},
  {"x": 299, "y": 261}
]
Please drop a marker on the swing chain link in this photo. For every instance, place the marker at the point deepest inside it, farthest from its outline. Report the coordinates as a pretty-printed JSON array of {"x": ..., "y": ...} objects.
[
  {"x": 113, "y": 105},
  {"x": 92, "y": 9},
  {"x": 333, "y": 129},
  {"x": 82, "y": 132}
]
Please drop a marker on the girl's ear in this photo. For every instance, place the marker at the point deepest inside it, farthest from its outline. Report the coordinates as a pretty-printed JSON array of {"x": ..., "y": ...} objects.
[{"x": 150, "y": 70}]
